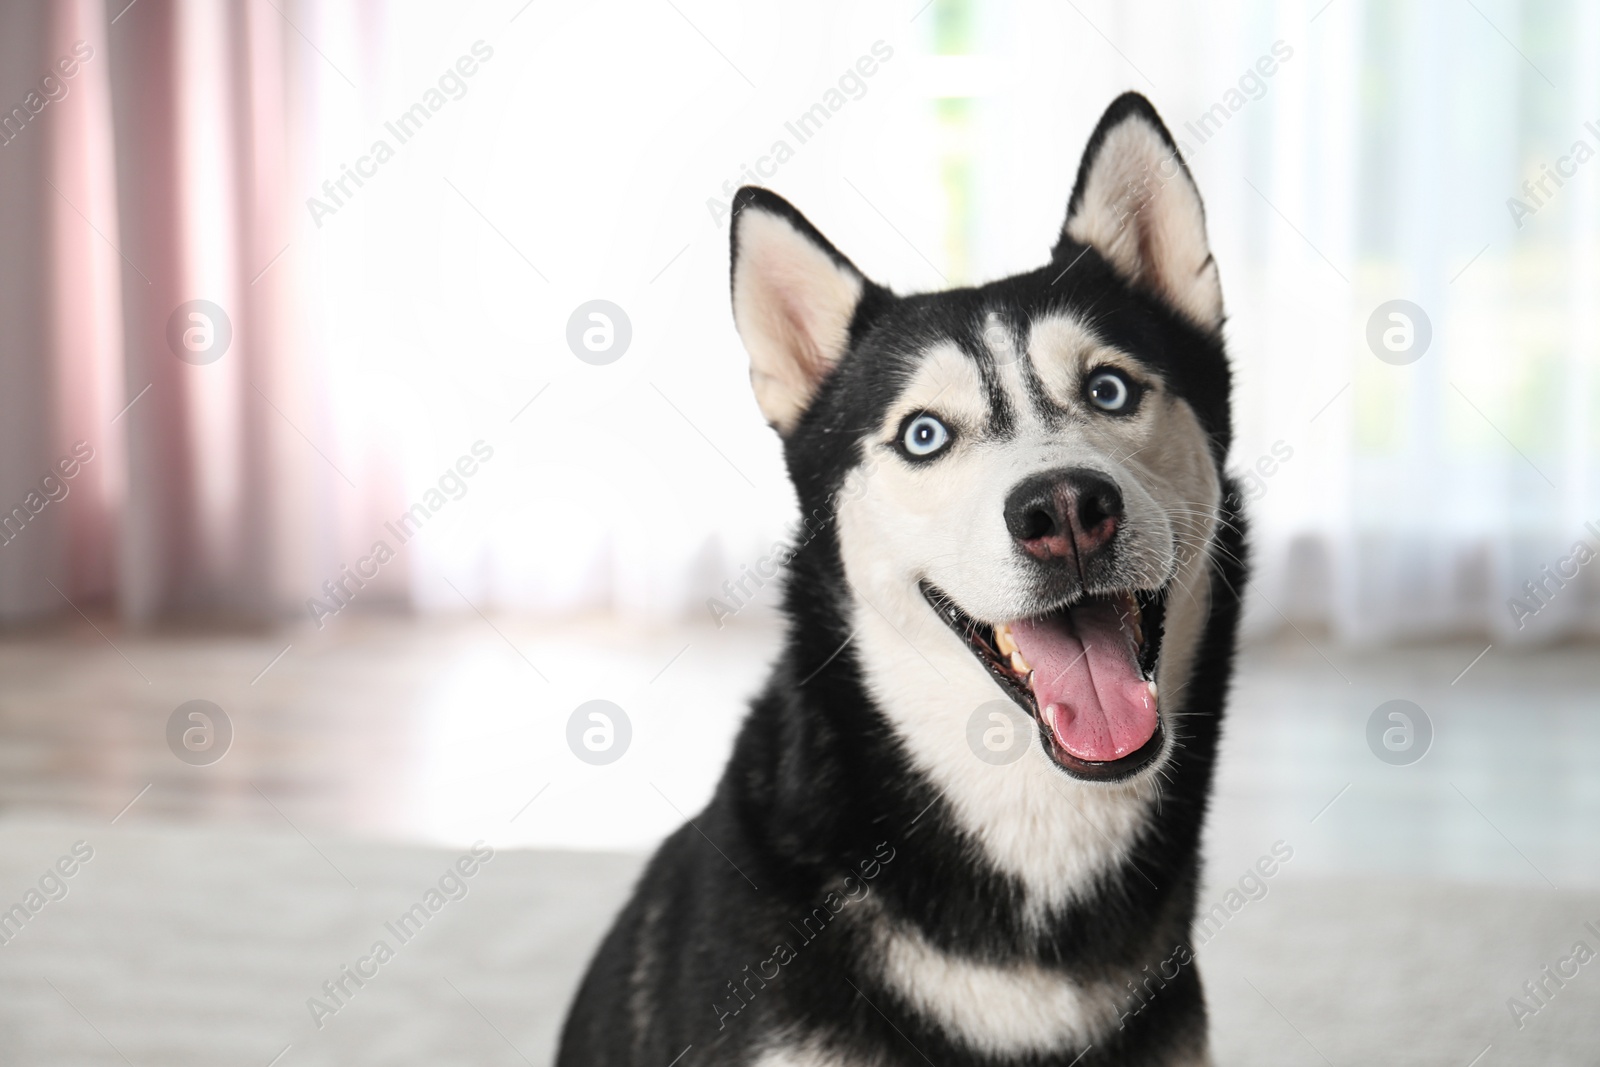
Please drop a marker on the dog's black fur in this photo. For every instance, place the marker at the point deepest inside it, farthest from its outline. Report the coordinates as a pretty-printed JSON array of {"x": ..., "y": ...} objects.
[{"x": 819, "y": 787}]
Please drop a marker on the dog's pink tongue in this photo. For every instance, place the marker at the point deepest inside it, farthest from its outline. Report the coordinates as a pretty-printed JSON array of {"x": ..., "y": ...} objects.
[{"x": 1086, "y": 679}]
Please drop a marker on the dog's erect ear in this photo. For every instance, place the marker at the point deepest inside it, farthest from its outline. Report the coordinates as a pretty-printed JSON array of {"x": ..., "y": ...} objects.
[
  {"x": 1136, "y": 205},
  {"x": 794, "y": 296}
]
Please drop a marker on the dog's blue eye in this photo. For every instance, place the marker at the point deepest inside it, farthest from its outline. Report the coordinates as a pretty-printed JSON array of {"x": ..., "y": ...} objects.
[
  {"x": 1109, "y": 390},
  {"x": 924, "y": 435}
]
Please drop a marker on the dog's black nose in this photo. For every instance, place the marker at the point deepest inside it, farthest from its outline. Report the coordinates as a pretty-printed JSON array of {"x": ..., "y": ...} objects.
[{"x": 1066, "y": 513}]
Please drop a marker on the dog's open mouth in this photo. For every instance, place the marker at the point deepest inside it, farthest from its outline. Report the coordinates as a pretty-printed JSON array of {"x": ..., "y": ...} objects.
[{"x": 1084, "y": 671}]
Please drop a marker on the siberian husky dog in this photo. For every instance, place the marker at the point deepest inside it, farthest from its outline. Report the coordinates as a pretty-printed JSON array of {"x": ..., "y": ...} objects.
[{"x": 961, "y": 823}]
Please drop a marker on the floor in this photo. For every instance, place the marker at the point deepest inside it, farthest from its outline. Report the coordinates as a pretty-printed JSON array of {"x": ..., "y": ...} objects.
[
  {"x": 439, "y": 732},
  {"x": 447, "y": 731},
  {"x": 1420, "y": 895},
  {"x": 205, "y": 945}
]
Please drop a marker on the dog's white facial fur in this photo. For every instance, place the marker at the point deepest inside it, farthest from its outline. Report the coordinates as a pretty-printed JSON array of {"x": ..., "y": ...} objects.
[
  {"x": 950, "y": 511},
  {"x": 944, "y": 522},
  {"x": 794, "y": 298}
]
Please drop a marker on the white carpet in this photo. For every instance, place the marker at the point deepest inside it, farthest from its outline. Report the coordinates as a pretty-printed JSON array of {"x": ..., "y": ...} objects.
[{"x": 199, "y": 946}]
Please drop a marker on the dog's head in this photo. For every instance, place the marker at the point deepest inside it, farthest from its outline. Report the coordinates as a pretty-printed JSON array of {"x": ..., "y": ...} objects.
[{"x": 1025, "y": 476}]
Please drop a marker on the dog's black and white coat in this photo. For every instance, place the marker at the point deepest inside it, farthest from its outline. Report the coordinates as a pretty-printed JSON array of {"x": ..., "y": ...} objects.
[{"x": 1018, "y": 494}]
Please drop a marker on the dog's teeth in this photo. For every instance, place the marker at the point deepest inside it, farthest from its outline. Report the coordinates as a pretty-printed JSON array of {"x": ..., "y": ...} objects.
[
  {"x": 1003, "y": 640},
  {"x": 1130, "y": 612},
  {"x": 1155, "y": 697},
  {"x": 1019, "y": 664}
]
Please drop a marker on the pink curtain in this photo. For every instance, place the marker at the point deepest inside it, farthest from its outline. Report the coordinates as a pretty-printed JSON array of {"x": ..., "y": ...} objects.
[
  {"x": 59, "y": 315},
  {"x": 161, "y": 172}
]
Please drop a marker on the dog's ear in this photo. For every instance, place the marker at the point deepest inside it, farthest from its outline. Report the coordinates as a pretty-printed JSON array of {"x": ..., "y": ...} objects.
[
  {"x": 794, "y": 296},
  {"x": 1135, "y": 204}
]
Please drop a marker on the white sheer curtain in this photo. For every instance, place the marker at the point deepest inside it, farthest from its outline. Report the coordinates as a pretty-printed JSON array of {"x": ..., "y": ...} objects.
[
  {"x": 590, "y": 158},
  {"x": 1349, "y": 155},
  {"x": 1426, "y": 495}
]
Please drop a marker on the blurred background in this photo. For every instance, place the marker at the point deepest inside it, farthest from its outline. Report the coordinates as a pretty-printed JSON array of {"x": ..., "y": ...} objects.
[{"x": 299, "y": 418}]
